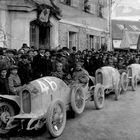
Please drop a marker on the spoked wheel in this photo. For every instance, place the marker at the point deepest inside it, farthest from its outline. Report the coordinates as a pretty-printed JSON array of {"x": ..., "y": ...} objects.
[
  {"x": 134, "y": 83},
  {"x": 77, "y": 100},
  {"x": 56, "y": 118},
  {"x": 99, "y": 96},
  {"x": 117, "y": 90},
  {"x": 124, "y": 81},
  {"x": 6, "y": 111}
]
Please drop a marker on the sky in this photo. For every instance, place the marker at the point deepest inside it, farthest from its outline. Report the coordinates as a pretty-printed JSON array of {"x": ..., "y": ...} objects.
[{"x": 126, "y": 9}]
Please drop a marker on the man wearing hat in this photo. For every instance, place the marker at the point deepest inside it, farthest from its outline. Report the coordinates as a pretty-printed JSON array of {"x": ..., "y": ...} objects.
[
  {"x": 79, "y": 74},
  {"x": 24, "y": 69},
  {"x": 9, "y": 58},
  {"x": 39, "y": 64},
  {"x": 4, "y": 87},
  {"x": 64, "y": 59},
  {"x": 2, "y": 58},
  {"x": 60, "y": 73},
  {"x": 25, "y": 47}
]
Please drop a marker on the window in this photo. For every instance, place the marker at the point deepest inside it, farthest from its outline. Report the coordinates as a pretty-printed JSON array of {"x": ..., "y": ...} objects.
[
  {"x": 121, "y": 27},
  {"x": 67, "y": 2},
  {"x": 72, "y": 39},
  {"x": 75, "y": 3},
  {"x": 90, "y": 6},
  {"x": 103, "y": 41},
  {"x": 134, "y": 27},
  {"x": 90, "y": 41},
  {"x": 34, "y": 32},
  {"x": 97, "y": 42},
  {"x": 87, "y": 6}
]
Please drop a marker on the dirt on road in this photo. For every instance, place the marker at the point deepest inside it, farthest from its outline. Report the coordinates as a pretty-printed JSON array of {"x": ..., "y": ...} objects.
[{"x": 118, "y": 120}]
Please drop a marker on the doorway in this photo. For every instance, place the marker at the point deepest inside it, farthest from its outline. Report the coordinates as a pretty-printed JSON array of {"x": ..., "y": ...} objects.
[{"x": 39, "y": 35}]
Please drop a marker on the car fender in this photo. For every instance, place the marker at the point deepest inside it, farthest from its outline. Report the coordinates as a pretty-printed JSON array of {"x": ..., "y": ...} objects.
[{"x": 13, "y": 98}]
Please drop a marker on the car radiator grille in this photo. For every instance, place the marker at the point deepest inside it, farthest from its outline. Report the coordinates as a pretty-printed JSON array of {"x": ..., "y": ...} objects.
[
  {"x": 26, "y": 101},
  {"x": 130, "y": 72},
  {"x": 99, "y": 78}
]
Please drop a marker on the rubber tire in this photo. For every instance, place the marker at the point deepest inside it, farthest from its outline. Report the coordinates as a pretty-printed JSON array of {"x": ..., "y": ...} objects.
[
  {"x": 117, "y": 91},
  {"x": 134, "y": 83},
  {"x": 52, "y": 132},
  {"x": 73, "y": 104},
  {"x": 97, "y": 103},
  {"x": 12, "y": 113},
  {"x": 123, "y": 79}
]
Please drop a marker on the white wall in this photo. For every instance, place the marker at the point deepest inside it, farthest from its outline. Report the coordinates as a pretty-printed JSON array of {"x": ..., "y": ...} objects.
[
  {"x": 4, "y": 26},
  {"x": 20, "y": 28}
]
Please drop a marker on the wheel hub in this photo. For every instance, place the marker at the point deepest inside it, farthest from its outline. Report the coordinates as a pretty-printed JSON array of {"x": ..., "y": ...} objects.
[
  {"x": 57, "y": 118},
  {"x": 5, "y": 117},
  {"x": 100, "y": 96}
]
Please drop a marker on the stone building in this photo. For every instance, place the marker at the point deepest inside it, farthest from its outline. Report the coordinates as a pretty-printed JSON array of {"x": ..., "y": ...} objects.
[{"x": 54, "y": 23}]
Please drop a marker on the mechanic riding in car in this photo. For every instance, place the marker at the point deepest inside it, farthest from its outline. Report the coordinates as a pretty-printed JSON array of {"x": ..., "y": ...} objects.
[{"x": 79, "y": 74}]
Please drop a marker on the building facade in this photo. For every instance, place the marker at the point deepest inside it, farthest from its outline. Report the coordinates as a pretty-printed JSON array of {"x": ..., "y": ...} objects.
[{"x": 54, "y": 23}]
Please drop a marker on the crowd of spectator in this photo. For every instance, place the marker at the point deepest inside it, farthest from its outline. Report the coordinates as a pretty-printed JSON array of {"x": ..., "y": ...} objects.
[{"x": 18, "y": 68}]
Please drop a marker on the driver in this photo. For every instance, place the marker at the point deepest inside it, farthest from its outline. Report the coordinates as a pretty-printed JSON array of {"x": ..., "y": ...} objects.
[
  {"x": 79, "y": 74},
  {"x": 60, "y": 73}
]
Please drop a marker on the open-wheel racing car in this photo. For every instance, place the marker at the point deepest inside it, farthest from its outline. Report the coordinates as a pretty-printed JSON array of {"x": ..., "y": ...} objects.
[
  {"x": 44, "y": 102},
  {"x": 112, "y": 80},
  {"x": 133, "y": 72}
]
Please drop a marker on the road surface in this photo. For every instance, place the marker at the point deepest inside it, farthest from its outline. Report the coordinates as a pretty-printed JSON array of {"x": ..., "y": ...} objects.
[{"x": 118, "y": 120}]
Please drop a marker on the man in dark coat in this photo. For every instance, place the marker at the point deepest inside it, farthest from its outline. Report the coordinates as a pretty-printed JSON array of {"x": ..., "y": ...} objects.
[
  {"x": 87, "y": 63},
  {"x": 4, "y": 88},
  {"x": 24, "y": 70},
  {"x": 95, "y": 63},
  {"x": 48, "y": 63},
  {"x": 39, "y": 64}
]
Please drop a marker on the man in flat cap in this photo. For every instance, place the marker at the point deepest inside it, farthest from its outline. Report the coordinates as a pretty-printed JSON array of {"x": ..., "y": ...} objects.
[{"x": 79, "y": 74}]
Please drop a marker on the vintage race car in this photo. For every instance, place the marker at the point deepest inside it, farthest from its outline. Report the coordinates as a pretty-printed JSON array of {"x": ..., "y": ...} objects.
[
  {"x": 44, "y": 102},
  {"x": 112, "y": 80},
  {"x": 133, "y": 72}
]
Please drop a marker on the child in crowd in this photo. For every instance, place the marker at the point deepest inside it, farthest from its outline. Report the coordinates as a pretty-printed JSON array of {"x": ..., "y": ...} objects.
[{"x": 14, "y": 81}]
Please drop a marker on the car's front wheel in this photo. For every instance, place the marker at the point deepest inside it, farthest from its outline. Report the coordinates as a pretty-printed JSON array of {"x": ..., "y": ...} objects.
[
  {"x": 99, "y": 96},
  {"x": 77, "y": 100},
  {"x": 6, "y": 111},
  {"x": 56, "y": 118},
  {"x": 124, "y": 81}
]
